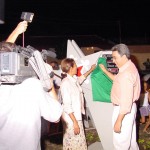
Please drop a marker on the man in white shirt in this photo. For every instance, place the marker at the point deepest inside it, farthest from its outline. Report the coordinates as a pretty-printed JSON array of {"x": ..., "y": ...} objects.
[{"x": 21, "y": 109}]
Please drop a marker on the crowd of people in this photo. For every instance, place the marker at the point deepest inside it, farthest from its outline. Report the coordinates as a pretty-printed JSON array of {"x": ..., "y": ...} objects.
[{"x": 22, "y": 105}]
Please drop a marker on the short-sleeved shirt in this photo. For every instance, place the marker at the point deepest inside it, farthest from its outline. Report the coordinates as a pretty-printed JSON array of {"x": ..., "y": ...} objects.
[{"x": 126, "y": 87}]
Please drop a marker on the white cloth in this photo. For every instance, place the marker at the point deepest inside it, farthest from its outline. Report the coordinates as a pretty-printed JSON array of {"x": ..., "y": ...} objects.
[
  {"x": 144, "y": 99},
  {"x": 146, "y": 77},
  {"x": 48, "y": 67},
  {"x": 126, "y": 140},
  {"x": 72, "y": 98},
  {"x": 21, "y": 109}
]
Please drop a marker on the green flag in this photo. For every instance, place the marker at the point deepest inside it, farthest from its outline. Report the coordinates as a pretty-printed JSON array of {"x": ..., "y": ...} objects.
[{"x": 101, "y": 83}]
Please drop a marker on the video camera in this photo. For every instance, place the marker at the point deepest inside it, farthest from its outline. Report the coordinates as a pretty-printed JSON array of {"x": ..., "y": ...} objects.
[
  {"x": 19, "y": 63},
  {"x": 27, "y": 16},
  {"x": 22, "y": 63}
]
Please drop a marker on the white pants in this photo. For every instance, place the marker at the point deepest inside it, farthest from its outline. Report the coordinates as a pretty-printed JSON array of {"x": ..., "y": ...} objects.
[{"x": 126, "y": 140}]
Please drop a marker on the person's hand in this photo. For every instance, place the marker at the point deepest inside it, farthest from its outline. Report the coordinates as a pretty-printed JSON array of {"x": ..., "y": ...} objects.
[
  {"x": 76, "y": 128},
  {"x": 93, "y": 67},
  {"x": 21, "y": 27},
  {"x": 90, "y": 70},
  {"x": 102, "y": 67},
  {"x": 117, "y": 127}
]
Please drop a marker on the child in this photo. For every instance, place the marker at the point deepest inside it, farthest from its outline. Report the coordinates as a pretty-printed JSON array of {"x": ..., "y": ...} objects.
[
  {"x": 148, "y": 99},
  {"x": 145, "y": 108}
]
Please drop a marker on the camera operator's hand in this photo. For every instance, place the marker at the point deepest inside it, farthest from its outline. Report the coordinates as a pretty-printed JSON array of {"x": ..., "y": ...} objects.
[{"x": 21, "y": 27}]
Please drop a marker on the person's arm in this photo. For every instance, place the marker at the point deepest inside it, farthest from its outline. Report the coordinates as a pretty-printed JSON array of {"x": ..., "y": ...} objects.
[
  {"x": 21, "y": 27},
  {"x": 53, "y": 93},
  {"x": 90, "y": 70},
  {"x": 149, "y": 95},
  {"x": 109, "y": 74},
  {"x": 75, "y": 123}
]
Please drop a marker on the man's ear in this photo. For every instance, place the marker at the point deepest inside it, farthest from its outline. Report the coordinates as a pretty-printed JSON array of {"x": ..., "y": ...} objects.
[{"x": 124, "y": 56}]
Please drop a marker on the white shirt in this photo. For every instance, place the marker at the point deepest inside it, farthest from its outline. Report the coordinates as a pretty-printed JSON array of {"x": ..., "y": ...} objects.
[
  {"x": 21, "y": 108},
  {"x": 72, "y": 98},
  {"x": 146, "y": 77},
  {"x": 144, "y": 99}
]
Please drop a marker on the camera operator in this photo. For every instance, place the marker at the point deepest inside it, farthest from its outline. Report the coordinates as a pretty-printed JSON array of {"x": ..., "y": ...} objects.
[{"x": 21, "y": 108}]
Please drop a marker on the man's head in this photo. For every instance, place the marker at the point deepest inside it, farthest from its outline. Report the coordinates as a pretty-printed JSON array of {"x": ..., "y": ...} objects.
[
  {"x": 54, "y": 65},
  {"x": 120, "y": 54}
]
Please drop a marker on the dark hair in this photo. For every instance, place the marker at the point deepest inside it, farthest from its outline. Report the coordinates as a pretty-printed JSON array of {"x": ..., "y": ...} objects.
[
  {"x": 122, "y": 50},
  {"x": 142, "y": 85},
  {"x": 7, "y": 46},
  {"x": 66, "y": 64},
  {"x": 54, "y": 65},
  {"x": 148, "y": 82}
]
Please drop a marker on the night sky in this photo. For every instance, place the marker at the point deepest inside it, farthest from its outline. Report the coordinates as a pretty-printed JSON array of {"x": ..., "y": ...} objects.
[{"x": 108, "y": 19}]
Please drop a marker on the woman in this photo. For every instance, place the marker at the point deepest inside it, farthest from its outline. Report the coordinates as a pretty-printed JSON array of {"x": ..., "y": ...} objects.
[{"x": 73, "y": 106}]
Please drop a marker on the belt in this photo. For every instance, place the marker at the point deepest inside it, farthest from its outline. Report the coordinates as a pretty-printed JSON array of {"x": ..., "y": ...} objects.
[{"x": 115, "y": 105}]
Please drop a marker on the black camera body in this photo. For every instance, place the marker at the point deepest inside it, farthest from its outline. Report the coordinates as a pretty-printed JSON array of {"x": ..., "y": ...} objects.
[{"x": 27, "y": 16}]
